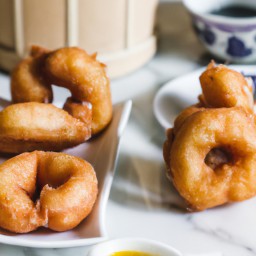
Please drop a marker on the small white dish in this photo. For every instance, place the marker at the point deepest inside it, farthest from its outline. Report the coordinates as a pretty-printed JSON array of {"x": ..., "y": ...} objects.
[
  {"x": 182, "y": 92},
  {"x": 101, "y": 152},
  {"x": 153, "y": 248}
]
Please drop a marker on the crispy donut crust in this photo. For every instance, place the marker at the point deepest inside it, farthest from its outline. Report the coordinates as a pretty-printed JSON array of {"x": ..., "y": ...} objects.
[
  {"x": 86, "y": 79},
  {"x": 27, "y": 82},
  {"x": 201, "y": 186},
  {"x": 38, "y": 126},
  {"x": 71, "y": 68},
  {"x": 79, "y": 110},
  {"x": 223, "y": 87},
  {"x": 48, "y": 189},
  {"x": 178, "y": 122}
]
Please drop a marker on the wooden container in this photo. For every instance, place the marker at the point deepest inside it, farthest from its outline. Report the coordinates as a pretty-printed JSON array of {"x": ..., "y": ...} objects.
[{"x": 120, "y": 31}]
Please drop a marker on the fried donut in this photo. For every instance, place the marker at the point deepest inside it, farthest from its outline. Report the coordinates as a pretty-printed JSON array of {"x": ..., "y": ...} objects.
[
  {"x": 224, "y": 87},
  {"x": 28, "y": 83},
  {"x": 86, "y": 79},
  {"x": 232, "y": 177},
  {"x": 73, "y": 69},
  {"x": 53, "y": 190},
  {"x": 171, "y": 132},
  {"x": 38, "y": 126},
  {"x": 184, "y": 115},
  {"x": 81, "y": 111}
]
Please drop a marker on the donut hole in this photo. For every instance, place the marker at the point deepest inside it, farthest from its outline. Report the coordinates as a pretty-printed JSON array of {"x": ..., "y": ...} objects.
[
  {"x": 53, "y": 182},
  {"x": 50, "y": 173},
  {"x": 36, "y": 195},
  {"x": 217, "y": 157}
]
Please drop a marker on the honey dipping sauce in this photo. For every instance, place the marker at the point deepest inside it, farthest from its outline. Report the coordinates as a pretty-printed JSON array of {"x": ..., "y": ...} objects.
[{"x": 132, "y": 253}]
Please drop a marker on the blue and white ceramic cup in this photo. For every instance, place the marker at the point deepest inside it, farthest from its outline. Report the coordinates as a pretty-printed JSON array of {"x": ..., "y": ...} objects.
[{"x": 229, "y": 38}]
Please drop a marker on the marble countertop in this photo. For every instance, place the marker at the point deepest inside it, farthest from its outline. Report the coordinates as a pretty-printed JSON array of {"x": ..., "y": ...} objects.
[{"x": 142, "y": 202}]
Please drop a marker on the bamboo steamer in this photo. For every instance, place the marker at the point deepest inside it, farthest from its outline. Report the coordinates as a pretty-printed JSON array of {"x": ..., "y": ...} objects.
[{"x": 120, "y": 31}]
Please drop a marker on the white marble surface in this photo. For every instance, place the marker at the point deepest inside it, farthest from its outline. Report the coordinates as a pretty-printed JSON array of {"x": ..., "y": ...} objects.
[{"x": 142, "y": 202}]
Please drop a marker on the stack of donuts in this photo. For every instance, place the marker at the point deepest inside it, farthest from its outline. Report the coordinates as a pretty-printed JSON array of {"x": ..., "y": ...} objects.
[
  {"x": 210, "y": 153},
  {"x": 51, "y": 189},
  {"x": 31, "y": 124}
]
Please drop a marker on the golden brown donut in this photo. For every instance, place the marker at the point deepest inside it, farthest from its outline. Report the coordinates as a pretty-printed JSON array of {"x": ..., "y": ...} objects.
[
  {"x": 171, "y": 132},
  {"x": 72, "y": 68},
  {"x": 227, "y": 133},
  {"x": 27, "y": 81},
  {"x": 184, "y": 115},
  {"x": 210, "y": 151},
  {"x": 166, "y": 152},
  {"x": 53, "y": 190},
  {"x": 79, "y": 110},
  {"x": 38, "y": 126},
  {"x": 224, "y": 87},
  {"x": 87, "y": 81}
]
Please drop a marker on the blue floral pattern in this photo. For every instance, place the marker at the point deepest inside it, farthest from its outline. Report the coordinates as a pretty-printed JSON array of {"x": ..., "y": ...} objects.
[
  {"x": 237, "y": 48},
  {"x": 206, "y": 34}
]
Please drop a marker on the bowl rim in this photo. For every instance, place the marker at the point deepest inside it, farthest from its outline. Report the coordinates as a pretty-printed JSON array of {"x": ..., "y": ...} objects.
[
  {"x": 241, "y": 22},
  {"x": 147, "y": 242}
]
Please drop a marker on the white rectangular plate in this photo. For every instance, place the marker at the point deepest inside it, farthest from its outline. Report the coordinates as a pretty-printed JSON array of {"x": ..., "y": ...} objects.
[{"x": 101, "y": 152}]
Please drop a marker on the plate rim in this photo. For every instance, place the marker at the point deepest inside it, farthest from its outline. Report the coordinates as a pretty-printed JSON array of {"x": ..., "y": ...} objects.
[{"x": 156, "y": 110}]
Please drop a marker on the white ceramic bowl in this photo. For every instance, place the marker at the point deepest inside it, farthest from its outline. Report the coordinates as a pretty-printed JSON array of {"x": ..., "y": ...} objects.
[
  {"x": 133, "y": 244},
  {"x": 231, "y": 39}
]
